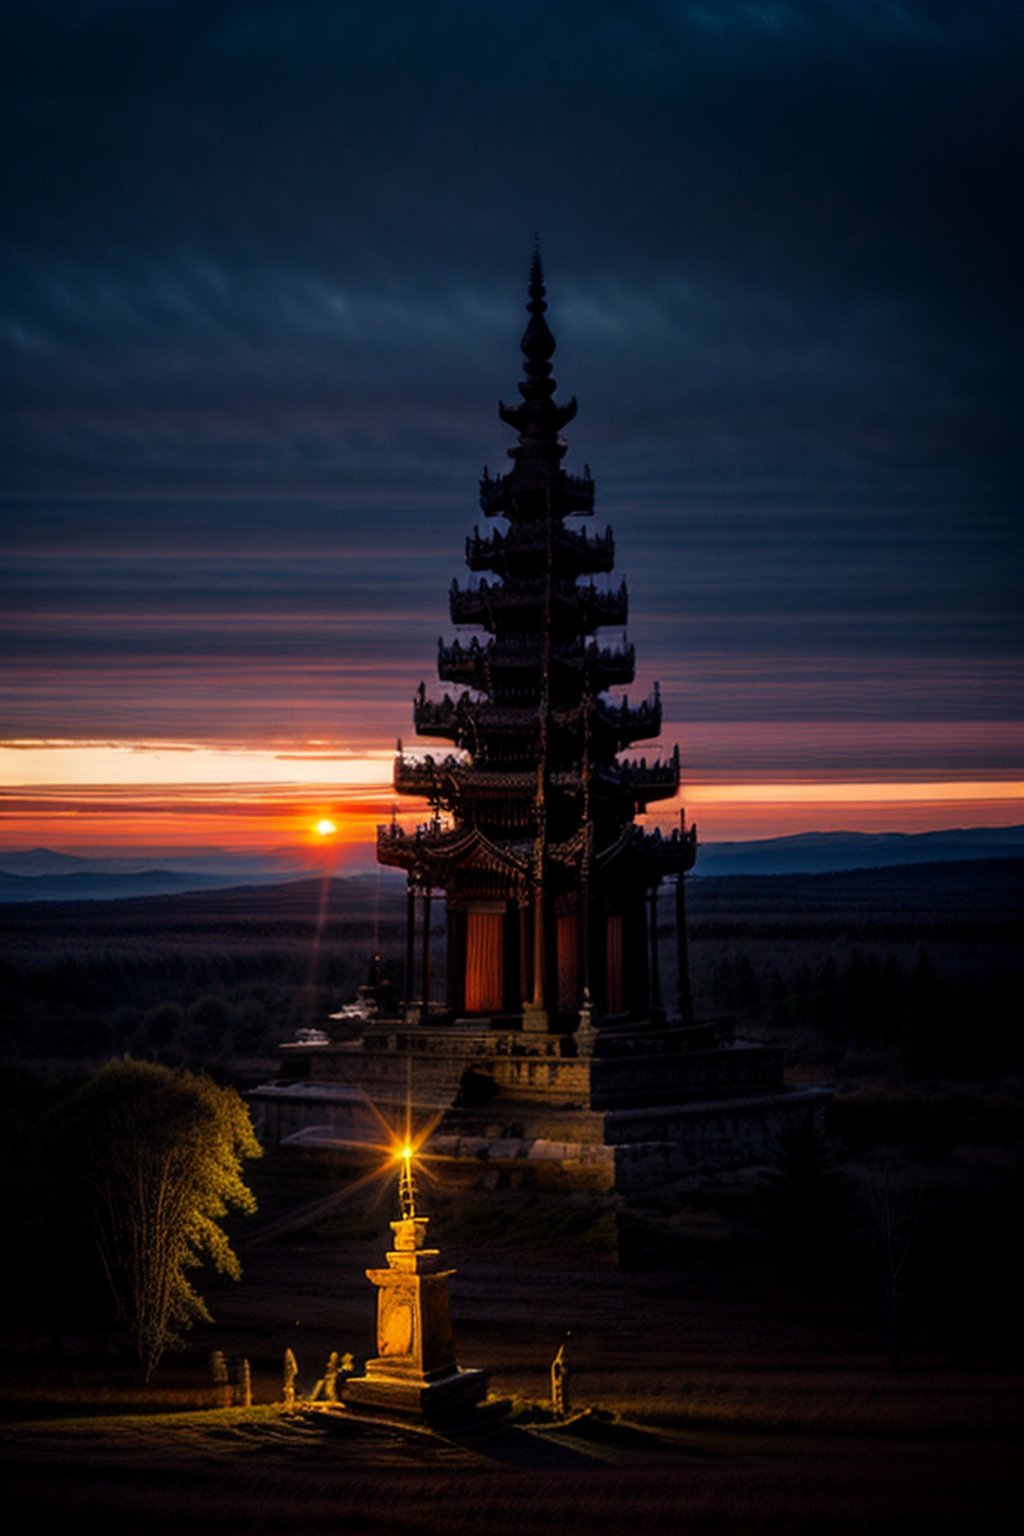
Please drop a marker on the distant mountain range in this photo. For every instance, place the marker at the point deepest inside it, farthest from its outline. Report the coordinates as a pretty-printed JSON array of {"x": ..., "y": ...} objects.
[
  {"x": 818, "y": 853},
  {"x": 40, "y": 874}
]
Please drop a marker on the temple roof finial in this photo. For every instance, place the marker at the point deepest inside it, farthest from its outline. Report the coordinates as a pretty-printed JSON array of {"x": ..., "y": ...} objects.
[
  {"x": 536, "y": 288},
  {"x": 538, "y": 418}
]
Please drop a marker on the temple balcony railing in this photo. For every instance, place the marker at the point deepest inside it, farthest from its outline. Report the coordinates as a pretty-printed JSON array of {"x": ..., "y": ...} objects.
[
  {"x": 468, "y": 664},
  {"x": 588, "y": 555},
  {"x": 468, "y": 722},
  {"x": 455, "y": 777},
  {"x": 439, "y": 717},
  {"x": 622, "y": 721},
  {"x": 606, "y": 666},
  {"x": 572, "y": 493},
  {"x": 475, "y": 665},
  {"x": 671, "y": 853},
  {"x": 412, "y": 851},
  {"x": 490, "y": 601},
  {"x": 640, "y": 781},
  {"x": 600, "y": 608},
  {"x": 630, "y": 722},
  {"x": 485, "y": 602}
]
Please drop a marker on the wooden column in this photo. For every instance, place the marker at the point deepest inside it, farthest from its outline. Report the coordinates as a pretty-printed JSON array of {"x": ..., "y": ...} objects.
[
  {"x": 410, "y": 944},
  {"x": 539, "y": 956},
  {"x": 656, "y": 1005},
  {"x": 683, "y": 952},
  {"x": 524, "y": 954},
  {"x": 425, "y": 994}
]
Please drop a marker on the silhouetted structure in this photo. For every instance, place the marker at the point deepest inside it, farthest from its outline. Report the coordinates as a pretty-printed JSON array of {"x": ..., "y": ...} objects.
[
  {"x": 547, "y": 879},
  {"x": 551, "y": 1054}
]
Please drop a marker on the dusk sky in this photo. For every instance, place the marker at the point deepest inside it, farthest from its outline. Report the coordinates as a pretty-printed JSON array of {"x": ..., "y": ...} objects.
[{"x": 264, "y": 268}]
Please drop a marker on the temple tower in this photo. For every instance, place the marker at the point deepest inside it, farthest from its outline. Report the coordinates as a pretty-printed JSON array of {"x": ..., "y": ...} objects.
[
  {"x": 547, "y": 878},
  {"x": 552, "y": 1060}
]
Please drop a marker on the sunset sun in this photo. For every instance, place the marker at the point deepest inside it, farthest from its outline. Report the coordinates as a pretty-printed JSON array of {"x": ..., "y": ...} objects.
[{"x": 326, "y": 828}]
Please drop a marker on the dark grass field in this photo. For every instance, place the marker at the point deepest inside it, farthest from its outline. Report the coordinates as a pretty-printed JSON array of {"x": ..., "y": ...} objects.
[
  {"x": 734, "y": 1377},
  {"x": 721, "y": 1396}
]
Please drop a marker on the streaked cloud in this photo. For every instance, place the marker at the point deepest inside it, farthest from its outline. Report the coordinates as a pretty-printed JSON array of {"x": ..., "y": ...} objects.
[{"x": 261, "y": 288}]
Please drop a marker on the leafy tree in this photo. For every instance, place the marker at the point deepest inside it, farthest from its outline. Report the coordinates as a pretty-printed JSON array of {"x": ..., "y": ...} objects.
[{"x": 156, "y": 1159}]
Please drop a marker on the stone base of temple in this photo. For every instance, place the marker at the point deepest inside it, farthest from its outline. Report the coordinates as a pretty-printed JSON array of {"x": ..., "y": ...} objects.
[
  {"x": 628, "y": 1150},
  {"x": 432, "y": 1401},
  {"x": 648, "y": 1100}
]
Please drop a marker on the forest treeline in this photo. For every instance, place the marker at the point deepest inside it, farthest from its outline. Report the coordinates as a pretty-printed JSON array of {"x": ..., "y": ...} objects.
[{"x": 911, "y": 972}]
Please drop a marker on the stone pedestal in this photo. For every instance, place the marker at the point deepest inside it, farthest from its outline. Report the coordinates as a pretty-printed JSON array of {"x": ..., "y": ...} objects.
[{"x": 414, "y": 1371}]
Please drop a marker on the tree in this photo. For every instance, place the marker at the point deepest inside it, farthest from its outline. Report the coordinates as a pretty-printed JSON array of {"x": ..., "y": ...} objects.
[
  {"x": 892, "y": 1202},
  {"x": 156, "y": 1163}
]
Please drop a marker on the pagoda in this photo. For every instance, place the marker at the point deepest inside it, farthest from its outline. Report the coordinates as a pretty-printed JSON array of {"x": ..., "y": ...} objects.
[
  {"x": 550, "y": 1058},
  {"x": 550, "y": 884}
]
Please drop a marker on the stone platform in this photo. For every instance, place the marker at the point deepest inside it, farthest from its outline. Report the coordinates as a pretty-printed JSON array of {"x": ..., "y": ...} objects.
[
  {"x": 446, "y": 1398},
  {"x": 632, "y": 1104}
]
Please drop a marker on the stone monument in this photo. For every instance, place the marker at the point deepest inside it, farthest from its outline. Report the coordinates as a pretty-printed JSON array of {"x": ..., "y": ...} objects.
[{"x": 414, "y": 1371}]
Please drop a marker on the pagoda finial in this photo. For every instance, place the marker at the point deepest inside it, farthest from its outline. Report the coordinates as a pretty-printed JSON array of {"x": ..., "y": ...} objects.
[
  {"x": 536, "y": 288},
  {"x": 538, "y": 419},
  {"x": 537, "y": 343}
]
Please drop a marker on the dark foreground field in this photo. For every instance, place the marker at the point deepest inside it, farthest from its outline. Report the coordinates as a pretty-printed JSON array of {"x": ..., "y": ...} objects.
[
  {"x": 725, "y": 1396},
  {"x": 732, "y": 1361},
  {"x": 298, "y": 1474}
]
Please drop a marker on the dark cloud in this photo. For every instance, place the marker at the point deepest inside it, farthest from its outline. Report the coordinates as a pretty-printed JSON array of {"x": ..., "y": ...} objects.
[{"x": 262, "y": 284}]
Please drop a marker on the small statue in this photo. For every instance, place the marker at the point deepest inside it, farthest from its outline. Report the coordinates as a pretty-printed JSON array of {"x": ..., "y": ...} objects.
[
  {"x": 219, "y": 1372},
  {"x": 291, "y": 1370},
  {"x": 244, "y": 1385},
  {"x": 331, "y": 1378},
  {"x": 560, "y": 1381}
]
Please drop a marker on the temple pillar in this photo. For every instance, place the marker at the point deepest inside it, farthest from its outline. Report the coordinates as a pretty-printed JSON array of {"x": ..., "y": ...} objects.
[
  {"x": 657, "y": 1009},
  {"x": 524, "y": 954},
  {"x": 425, "y": 956},
  {"x": 410, "y": 945},
  {"x": 535, "y": 1014},
  {"x": 685, "y": 998}
]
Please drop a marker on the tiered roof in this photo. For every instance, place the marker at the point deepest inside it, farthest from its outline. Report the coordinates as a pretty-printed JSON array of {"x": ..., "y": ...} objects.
[{"x": 538, "y": 785}]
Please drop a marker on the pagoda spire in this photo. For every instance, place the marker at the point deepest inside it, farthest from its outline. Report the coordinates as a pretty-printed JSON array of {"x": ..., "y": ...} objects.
[
  {"x": 546, "y": 876},
  {"x": 539, "y": 419}
]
